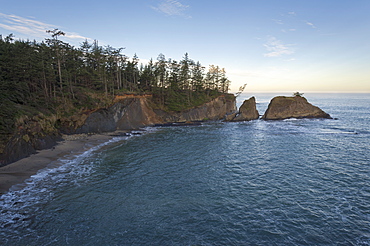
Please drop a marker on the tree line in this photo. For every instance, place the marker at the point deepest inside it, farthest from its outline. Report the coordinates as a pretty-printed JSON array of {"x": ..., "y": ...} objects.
[{"x": 54, "y": 69}]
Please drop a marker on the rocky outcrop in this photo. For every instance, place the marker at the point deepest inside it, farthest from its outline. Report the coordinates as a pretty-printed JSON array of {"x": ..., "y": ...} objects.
[
  {"x": 247, "y": 111},
  {"x": 213, "y": 110},
  {"x": 127, "y": 112},
  {"x": 33, "y": 133},
  {"x": 133, "y": 112},
  {"x": 135, "y": 115},
  {"x": 292, "y": 107}
]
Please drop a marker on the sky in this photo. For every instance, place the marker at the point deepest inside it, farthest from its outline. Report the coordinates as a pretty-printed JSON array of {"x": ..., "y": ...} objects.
[{"x": 271, "y": 45}]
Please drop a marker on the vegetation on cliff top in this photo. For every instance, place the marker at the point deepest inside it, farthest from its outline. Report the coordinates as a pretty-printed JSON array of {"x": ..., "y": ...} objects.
[{"x": 53, "y": 78}]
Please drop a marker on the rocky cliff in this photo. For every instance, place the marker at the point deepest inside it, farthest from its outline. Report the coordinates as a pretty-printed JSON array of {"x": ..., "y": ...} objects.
[
  {"x": 247, "y": 111},
  {"x": 126, "y": 113},
  {"x": 213, "y": 110},
  {"x": 33, "y": 133},
  {"x": 292, "y": 107}
]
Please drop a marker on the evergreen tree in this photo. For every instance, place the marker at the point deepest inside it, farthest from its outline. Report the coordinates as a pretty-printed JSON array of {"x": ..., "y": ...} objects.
[
  {"x": 147, "y": 77},
  {"x": 31, "y": 72},
  {"x": 161, "y": 77},
  {"x": 224, "y": 82},
  {"x": 198, "y": 77},
  {"x": 174, "y": 75},
  {"x": 58, "y": 46}
]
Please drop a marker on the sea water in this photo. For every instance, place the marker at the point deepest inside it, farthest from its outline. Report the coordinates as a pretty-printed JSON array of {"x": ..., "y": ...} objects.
[{"x": 290, "y": 182}]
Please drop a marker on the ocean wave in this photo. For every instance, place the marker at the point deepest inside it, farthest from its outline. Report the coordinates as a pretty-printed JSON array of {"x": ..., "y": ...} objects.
[{"x": 21, "y": 202}]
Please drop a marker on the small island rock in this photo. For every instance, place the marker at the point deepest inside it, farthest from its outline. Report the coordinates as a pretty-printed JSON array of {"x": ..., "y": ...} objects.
[
  {"x": 247, "y": 111},
  {"x": 292, "y": 107}
]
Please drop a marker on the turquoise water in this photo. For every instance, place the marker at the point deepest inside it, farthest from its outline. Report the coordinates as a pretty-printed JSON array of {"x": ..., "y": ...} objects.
[{"x": 291, "y": 182}]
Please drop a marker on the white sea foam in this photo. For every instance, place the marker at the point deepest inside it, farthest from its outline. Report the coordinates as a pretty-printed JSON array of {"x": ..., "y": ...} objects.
[
  {"x": 265, "y": 182},
  {"x": 19, "y": 204}
]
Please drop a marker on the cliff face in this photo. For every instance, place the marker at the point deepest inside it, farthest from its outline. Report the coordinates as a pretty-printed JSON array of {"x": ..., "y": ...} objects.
[
  {"x": 292, "y": 107},
  {"x": 33, "y": 134},
  {"x": 213, "y": 110},
  {"x": 126, "y": 113},
  {"x": 137, "y": 114},
  {"x": 247, "y": 111}
]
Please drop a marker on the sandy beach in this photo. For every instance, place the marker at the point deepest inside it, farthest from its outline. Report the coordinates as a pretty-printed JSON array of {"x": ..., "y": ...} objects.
[{"x": 18, "y": 172}]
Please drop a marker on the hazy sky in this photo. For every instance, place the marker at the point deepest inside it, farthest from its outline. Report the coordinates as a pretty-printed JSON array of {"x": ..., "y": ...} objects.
[{"x": 272, "y": 45}]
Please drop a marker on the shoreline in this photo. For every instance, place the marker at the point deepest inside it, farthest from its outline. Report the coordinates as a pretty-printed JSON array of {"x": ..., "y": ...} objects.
[{"x": 16, "y": 173}]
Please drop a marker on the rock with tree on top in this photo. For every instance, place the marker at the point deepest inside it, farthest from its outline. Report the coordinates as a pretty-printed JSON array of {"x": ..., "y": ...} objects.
[{"x": 282, "y": 107}]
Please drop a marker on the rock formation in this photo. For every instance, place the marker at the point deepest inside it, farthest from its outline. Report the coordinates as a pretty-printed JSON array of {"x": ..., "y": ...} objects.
[
  {"x": 127, "y": 112},
  {"x": 213, "y": 110},
  {"x": 134, "y": 112},
  {"x": 247, "y": 111},
  {"x": 292, "y": 107},
  {"x": 35, "y": 134}
]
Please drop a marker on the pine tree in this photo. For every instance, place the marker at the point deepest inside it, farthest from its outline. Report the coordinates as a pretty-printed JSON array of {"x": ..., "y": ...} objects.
[
  {"x": 57, "y": 45},
  {"x": 198, "y": 77},
  {"x": 161, "y": 77}
]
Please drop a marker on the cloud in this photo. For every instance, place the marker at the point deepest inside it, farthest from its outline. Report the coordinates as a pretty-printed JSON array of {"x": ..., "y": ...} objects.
[
  {"x": 31, "y": 28},
  {"x": 144, "y": 61},
  {"x": 72, "y": 35},
  {"x": 310, "y": 24},
  {"x": 276, "y": 48},
  {"x": 22, "y": 25},
  {"x": 288, "y": 30},
  {"x": 280, "y": 22},
  {"x": 265, "y": 72},
  {"x": 172, "y": 8}
]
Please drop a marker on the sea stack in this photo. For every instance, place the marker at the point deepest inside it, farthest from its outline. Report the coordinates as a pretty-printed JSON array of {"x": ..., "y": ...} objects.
[
  {"x": 247, "y": 111},
  {"x": 281, "y": 108}
]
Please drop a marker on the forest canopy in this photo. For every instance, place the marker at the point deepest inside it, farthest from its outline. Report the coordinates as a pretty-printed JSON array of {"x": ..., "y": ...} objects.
[
  {"x": 53, "y": 73},
  {"x": 53, "y": 68}
]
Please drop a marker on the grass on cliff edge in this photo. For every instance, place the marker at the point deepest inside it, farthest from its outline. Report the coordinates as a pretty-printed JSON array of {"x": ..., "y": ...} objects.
[
  {"x": 180, "y": 100},
  {"x": 15, "y": 110}
]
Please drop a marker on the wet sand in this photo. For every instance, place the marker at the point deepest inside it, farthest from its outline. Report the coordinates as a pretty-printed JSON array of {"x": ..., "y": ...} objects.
[{"x": 18, "y": 172}]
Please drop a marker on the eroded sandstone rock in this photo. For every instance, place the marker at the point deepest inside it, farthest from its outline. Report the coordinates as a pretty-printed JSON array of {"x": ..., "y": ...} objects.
[
  {"x": 292, "y": 107},
  {"x": 247, "y": 111}
]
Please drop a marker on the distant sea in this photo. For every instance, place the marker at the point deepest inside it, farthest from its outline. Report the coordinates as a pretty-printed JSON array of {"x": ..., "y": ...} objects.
[{"x": 290, "y": 182}]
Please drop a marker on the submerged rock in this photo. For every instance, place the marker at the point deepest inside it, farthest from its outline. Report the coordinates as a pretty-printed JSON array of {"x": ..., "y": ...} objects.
[
  {"x": 247, "y": 111},
  {"x": 292, "y": 107}
]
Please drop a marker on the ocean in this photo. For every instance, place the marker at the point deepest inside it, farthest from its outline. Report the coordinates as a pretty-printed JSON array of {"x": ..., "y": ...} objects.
[{"x": 290, "y": 182}]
